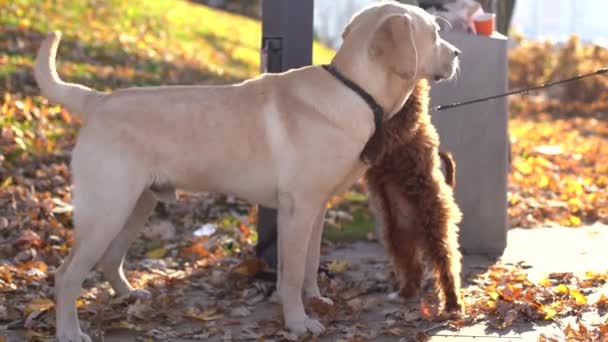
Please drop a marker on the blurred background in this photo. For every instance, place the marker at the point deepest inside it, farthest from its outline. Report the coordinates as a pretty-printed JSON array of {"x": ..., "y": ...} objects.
[{"x": 556, "y": 20}]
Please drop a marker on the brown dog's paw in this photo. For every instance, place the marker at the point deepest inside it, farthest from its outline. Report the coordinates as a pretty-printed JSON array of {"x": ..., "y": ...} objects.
[
  {"x": 408, "y": 292},
  {"x": 454, "y": 305}
]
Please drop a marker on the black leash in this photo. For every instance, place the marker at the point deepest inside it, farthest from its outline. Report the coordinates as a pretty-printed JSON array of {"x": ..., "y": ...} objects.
[
  {"x": 368, "y": 155},
  {"x": 522, "y": 91}
]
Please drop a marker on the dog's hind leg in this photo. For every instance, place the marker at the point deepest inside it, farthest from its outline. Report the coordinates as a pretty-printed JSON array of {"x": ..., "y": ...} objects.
[
  {"x": 446, "y": 262},
  {"x": 441, "y": 243},
  {"x": 101, "y": 211},
  {"x": 311, "y": 285},
  {"x": 401, "y": 236},
  {"x": 297, "y": 215},
  {"x": 112, "y": 261}
]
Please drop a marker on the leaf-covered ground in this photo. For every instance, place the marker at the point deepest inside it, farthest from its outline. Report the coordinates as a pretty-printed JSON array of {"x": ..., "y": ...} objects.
[
  {"x": 559, "y": 137},
  {"x": 558, "y": 177},
  {"x": 214, "y": 299}
]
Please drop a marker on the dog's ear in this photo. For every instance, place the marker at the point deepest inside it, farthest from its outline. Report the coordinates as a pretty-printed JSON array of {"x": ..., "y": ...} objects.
[{"x": 393, "y": 44}]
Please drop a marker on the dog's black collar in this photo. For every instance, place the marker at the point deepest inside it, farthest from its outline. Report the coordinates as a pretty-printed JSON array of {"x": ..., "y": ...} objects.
[{"x": 373, "y": 105}]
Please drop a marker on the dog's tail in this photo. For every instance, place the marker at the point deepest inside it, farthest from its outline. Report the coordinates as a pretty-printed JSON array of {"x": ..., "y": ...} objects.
[
  {"x": 73, "y": 96},
  {"x": 450, "y": 167}
]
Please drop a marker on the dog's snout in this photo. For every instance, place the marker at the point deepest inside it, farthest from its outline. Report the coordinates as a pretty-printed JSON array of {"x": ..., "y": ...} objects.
[{"x": 457, "y": 52}]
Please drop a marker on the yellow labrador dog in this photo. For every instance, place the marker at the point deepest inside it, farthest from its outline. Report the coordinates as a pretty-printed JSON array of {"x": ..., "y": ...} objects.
[{"x": 300, "y": 133}]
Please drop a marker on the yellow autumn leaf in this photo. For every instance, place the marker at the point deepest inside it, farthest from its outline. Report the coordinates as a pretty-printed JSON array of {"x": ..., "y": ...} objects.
[
  {"x": 25, "y": 23},
  {"x": 544, "y": 181},
  {"x": 157, "y": 253},
  {"x": 580, "y": 298},
  {"x": 562, "y": 289},
  {"x": 338, "y": 266},
  {"x": 545, "y": 282},
  {"x": 575, "y": 202},
  {"x": 523, "y": 167},
  {"x": 575, "y": 188},
  {"x": 37, "y": 304},
  {"x": 575, "y": 220},
  {"x": 8, "y": 181},
  {"x": 549, "y": 312}
]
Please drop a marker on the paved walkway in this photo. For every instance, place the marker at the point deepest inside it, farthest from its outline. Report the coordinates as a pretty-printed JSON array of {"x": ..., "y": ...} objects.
[{"x": 545, "y": 250}]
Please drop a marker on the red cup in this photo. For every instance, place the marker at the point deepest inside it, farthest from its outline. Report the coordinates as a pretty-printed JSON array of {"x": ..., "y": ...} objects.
[{"x": 485, "y": 23}]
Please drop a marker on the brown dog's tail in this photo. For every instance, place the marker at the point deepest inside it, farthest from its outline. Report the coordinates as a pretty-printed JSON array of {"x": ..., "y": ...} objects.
[
  {"x": 73, "y": 96},
  {"x": 450, "y": 167}
]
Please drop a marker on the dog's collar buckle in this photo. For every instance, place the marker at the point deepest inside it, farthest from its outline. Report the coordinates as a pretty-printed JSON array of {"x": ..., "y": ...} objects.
[{"x": 373, "y": 105}]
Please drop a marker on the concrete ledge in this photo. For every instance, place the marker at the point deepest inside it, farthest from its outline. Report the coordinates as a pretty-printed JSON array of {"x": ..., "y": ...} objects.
[{"x": 477, "y": 136}]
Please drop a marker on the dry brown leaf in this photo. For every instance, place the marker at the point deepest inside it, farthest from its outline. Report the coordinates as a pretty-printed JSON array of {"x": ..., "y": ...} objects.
[
  {"x": 248, "y": 267},
  {"x": 322, "y": 308}
]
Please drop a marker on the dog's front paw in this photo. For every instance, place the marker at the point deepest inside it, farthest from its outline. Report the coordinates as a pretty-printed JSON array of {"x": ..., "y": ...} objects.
[
  {"x": 455, "y": 308},
  {"x": 302, "y": 326},
  {"x": 77, "y": 336},
  {"x": 454, "y": 303}
]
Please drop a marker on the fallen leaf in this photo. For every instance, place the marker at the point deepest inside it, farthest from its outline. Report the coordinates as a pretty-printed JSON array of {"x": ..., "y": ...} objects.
[
  {"x": 562, "y": 289},
  {"x": 602, "y": 302},
  {"x": 425, "y": 310},
  {"x": 550, "y": 312},
  {"x": 579, "y": 297},
  {"x": 37, "y": 304},
  {"x": 157, "y": 253},
  {"x": 29, "y": 238},
  {"x": 197, "y": 250},
  {"x": 338, "y": 266},
  {"x": 322, "y": 308},
  {"x": 248, "y": 267},
  {"x": 210, "y": 314}
]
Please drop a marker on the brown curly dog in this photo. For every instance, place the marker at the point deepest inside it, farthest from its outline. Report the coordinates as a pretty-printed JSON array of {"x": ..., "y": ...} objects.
[{"x": 414, "y": 202}]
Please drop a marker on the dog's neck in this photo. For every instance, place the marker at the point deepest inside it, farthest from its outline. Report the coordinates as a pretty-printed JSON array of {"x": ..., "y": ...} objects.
[{"x": 388, "y": 89}]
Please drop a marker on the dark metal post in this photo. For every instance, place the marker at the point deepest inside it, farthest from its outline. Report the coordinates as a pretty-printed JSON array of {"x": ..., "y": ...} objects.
[{"x": 287, "y": 32}]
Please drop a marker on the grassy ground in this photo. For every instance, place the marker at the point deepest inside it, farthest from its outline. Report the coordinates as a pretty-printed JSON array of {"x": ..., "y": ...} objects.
[
  {"x": 139, "y": 42},
  {"x": 111, "y": 44}
]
